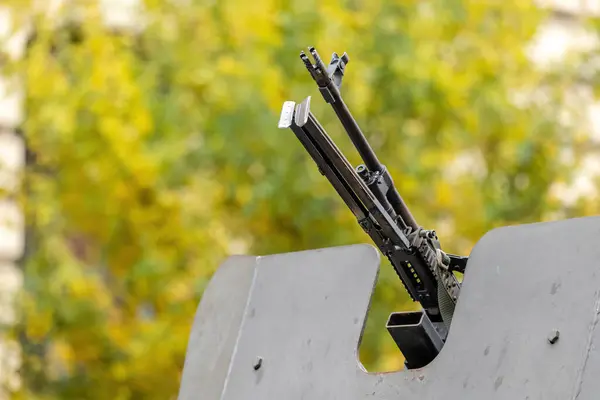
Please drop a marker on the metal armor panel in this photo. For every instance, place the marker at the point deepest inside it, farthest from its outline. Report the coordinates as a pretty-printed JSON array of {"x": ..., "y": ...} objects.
[{"x": 288, "y": 326}]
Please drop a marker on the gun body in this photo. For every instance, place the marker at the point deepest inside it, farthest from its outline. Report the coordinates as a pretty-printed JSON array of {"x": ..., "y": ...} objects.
[{"x": 369, "y": 192}]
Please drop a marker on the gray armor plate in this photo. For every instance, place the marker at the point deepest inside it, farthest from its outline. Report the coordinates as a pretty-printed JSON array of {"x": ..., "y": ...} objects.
[{"x": 303, "y": 314}]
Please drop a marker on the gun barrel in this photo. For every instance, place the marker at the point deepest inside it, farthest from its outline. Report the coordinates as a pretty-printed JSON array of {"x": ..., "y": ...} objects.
[
  {"x": 370, "y": 158},
  {"x": 330, "y": 90},
  {"x": 333, "y": 96},
  {"x": 354, "y": 132},
  {"x": 368, "y": 155}
]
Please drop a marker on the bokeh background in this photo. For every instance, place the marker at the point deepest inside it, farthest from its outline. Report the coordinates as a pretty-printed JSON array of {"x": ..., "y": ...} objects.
[{"x": 140, "y": 149}]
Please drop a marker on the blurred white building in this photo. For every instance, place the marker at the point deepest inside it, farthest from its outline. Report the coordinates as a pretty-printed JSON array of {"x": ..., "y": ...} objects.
[
  {"x": 564, "y": 31},
  {"x": 12, "y": 159},
  {"x": 117, "y": 13}
]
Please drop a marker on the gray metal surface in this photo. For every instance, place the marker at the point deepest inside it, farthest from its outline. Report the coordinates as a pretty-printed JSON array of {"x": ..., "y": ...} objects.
[
  {"x": 303, "y": 313},
  {"x": 215, "y": 329}
]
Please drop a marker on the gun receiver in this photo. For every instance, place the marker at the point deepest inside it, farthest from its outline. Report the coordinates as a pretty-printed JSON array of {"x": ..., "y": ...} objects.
[{"x": 369, "y": 192}]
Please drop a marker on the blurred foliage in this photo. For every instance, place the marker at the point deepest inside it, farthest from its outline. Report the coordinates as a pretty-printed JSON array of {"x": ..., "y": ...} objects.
[{"x": 153, "y": 153}]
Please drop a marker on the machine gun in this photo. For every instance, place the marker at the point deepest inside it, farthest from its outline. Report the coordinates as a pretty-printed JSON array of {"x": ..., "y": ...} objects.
[
  {"x": 368, "y": 190},
  {"x": 282, "y": 326}
]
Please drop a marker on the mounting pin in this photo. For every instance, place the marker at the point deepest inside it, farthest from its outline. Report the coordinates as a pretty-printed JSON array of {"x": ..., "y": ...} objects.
[
  {"x": 258, "y": 363},
  {"x": 553, "y": 336}
]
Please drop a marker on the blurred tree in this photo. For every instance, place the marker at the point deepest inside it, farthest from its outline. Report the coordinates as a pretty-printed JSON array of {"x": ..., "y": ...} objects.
[{"x": 153, "y": 153}]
